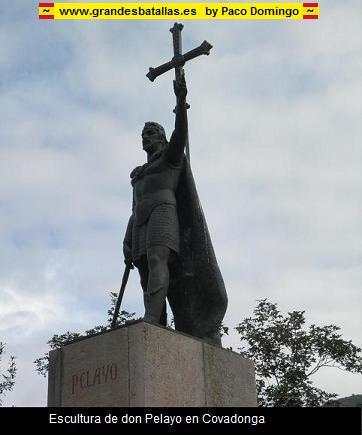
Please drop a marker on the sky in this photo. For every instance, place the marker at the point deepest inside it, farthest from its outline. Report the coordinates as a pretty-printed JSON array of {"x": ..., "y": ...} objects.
[{"x": 275, "y": 136}]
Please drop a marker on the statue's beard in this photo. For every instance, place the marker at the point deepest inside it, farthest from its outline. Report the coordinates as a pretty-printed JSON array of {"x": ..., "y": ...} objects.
[{"x": 153, "y": 148}]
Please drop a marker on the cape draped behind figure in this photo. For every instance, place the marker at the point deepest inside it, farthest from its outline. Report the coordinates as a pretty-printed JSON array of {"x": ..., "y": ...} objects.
[{"x": 197, "y": 293}]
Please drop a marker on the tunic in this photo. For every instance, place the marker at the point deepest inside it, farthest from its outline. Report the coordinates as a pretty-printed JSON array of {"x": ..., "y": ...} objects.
[{"x": 155, "y": 219}]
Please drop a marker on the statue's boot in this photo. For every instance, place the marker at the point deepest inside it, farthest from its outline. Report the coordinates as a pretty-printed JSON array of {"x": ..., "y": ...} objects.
[
  {"x": 213, "y": 337},
  {"x": 155, "y": 307}
]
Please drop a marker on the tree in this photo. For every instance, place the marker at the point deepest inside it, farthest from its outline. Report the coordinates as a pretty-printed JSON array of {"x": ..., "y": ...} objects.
[
  {"x": 57, "y": 341},
  {"x": 287, "y": 355},
  {"x": 7, "y": 378}
]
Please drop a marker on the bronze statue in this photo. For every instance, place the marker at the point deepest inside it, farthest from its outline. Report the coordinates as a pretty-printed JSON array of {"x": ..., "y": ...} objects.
[{"x": 167, "y": 237}]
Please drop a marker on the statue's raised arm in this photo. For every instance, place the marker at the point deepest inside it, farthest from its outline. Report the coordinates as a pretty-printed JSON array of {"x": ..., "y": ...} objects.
[{"x": 175, "y": 150}]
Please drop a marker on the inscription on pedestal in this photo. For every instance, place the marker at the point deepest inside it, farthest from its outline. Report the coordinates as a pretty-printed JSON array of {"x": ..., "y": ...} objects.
[
  {"x": 95, "y": 371},
  {"x": 90, "y": 378}
]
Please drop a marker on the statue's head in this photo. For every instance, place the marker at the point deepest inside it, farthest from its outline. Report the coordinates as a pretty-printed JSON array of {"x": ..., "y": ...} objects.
[{"x": 153, "y": 137}]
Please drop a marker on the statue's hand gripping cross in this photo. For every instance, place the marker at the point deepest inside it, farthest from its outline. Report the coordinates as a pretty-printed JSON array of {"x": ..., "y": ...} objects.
[{"x": 178, "y": 61}]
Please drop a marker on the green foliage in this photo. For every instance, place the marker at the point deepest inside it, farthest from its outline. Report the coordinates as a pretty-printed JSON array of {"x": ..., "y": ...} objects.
[
  {"x": 57, "y": 341},
  {"x": 286, "y": 354},
  {"x": 350, "y": 401},
  {"x": 7, "y": 378}
]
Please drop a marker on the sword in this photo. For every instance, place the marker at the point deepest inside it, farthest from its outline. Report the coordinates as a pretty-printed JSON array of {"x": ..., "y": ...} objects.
[{"x": 120, "y": 295}]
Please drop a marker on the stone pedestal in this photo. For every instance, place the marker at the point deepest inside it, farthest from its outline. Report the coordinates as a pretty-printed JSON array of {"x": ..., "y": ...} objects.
[{"x": 148, "y": 365}]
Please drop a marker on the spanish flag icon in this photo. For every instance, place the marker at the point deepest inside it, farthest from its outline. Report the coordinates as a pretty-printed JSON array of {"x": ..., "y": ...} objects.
[
  {"x": 46, "y": 11},
  {"x": 310, "y": 11}
]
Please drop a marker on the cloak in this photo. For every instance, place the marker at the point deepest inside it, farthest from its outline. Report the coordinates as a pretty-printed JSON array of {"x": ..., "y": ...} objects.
[{"x": 196, "y": 294}]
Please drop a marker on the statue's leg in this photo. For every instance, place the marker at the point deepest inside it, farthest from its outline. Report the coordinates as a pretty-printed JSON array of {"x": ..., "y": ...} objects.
[
  {"x": 142, "y": 267},
  {"x": 158, "y": 282}
]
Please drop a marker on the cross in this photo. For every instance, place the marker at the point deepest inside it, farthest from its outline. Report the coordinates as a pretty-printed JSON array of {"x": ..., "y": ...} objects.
[{"x": 179, "y": 60}]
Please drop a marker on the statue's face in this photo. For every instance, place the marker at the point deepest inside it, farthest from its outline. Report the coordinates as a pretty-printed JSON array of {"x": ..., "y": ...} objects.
[{"x": 151, "y": 140}]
